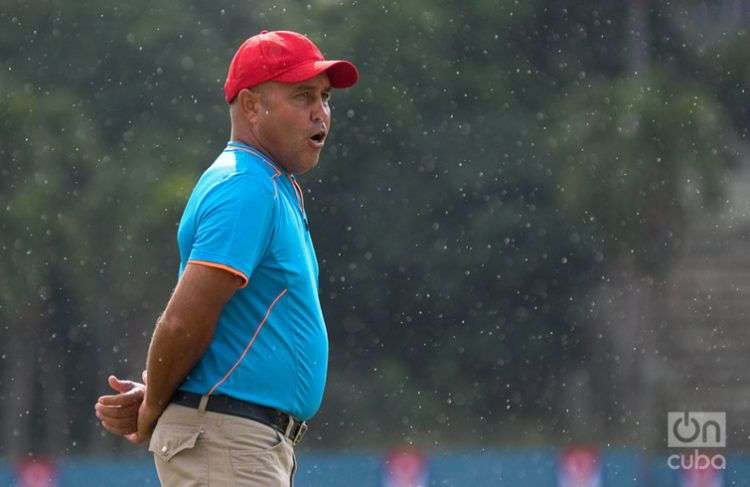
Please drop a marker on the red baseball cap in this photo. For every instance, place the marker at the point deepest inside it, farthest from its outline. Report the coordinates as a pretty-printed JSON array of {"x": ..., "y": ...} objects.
[{"x": 286, "y": 57}]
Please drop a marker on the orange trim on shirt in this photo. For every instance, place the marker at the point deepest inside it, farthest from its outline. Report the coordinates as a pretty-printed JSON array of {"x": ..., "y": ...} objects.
[
  {"x": 231, "y": 270},
  {"x": 249, "y": 344},
  {"x": 298, "y": 192}
]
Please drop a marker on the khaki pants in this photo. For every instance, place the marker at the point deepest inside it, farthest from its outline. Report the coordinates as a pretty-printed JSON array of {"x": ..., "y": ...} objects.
[{"x": 200, "y": 448}]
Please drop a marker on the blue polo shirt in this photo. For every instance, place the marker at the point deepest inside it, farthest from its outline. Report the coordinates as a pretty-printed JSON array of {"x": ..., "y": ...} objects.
[{"x": 246, "y": 216}]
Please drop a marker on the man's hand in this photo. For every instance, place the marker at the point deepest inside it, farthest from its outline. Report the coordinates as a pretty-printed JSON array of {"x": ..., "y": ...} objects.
[{"x": 119, "y": 413}]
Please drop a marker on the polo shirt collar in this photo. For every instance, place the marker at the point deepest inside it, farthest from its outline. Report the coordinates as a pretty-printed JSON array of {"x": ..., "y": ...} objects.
[{"x": 254, "y": 150}]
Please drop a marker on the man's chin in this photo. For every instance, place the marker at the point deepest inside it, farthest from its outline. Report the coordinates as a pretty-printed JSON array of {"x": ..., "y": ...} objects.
[{"x": 306, "y": 166}]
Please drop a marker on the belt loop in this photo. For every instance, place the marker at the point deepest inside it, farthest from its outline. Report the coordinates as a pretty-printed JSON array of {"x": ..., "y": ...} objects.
[
  {"x": 289, "y": 427},
  {"x": 202, "y": 405}
]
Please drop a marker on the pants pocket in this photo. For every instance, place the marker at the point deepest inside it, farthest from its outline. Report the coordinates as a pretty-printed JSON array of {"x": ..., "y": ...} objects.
[
  {"x": 168, "y": 440},
  {"x": 260, "y": 456},
  {"x": 179, "y": 456},
  {"x": 267, "y": 468}
]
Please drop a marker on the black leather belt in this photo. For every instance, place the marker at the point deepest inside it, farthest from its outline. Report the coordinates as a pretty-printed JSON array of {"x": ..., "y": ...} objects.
[{"x": 287, "y": 425}]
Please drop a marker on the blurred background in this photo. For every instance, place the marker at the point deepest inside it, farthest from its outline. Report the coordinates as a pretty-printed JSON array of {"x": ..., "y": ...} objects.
[{"x": 532, "y": 223}]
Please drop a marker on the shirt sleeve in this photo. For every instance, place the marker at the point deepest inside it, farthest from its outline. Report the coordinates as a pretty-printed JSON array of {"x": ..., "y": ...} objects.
[{"x": 235, "y": 224}]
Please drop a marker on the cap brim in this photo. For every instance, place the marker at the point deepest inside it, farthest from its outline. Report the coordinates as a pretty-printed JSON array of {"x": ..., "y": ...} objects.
[{"x": 341, "y": 74}]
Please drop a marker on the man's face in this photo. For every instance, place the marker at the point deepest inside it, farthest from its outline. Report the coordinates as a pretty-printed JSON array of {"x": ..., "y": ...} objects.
[{"x": 294, "y": 121}]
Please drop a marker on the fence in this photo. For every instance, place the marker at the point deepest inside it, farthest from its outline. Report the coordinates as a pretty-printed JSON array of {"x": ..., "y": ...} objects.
[{"x": 500, "y": 467}]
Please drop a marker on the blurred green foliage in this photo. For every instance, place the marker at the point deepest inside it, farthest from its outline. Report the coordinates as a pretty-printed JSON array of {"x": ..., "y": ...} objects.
[{"x": 495, "y": 160}]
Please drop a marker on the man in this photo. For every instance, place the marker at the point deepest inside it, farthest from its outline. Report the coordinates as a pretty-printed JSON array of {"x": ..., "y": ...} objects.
[{"x": 238, "y": 359}]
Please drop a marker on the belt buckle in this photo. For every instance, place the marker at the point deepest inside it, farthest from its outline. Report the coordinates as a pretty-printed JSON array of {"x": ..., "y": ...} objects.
[{"x": 295, "y": 434}]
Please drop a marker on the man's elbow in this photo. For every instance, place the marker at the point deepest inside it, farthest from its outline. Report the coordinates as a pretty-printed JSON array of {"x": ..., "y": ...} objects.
[{"x": 177, "y": 326}]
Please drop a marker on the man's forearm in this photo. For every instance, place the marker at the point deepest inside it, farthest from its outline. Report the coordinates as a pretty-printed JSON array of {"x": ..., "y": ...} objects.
[{"x": 175, "y": 348}]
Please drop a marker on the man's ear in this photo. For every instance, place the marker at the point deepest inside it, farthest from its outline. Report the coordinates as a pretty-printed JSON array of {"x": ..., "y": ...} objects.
[{"x": 249, "y": 104}]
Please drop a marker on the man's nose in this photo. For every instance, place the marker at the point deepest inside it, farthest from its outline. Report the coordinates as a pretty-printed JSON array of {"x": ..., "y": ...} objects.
[{"x": 318, "y": 112}]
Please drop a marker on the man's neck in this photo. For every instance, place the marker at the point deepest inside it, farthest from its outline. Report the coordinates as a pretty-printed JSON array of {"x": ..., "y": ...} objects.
[{"x": 251, "y": 142}]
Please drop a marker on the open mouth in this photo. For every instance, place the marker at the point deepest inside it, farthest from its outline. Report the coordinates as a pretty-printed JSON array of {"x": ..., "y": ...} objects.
[{"x": 318, "y": 138}]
